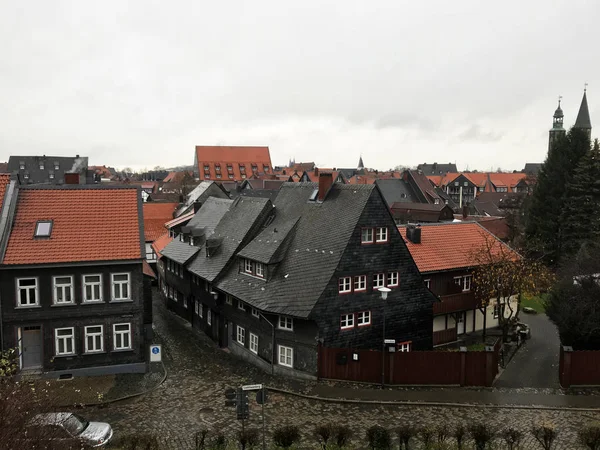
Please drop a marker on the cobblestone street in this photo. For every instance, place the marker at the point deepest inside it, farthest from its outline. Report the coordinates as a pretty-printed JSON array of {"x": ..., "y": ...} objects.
[{"x": 192, "y": 399}]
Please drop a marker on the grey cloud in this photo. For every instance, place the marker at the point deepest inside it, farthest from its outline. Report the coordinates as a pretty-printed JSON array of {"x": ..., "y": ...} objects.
[{"x": 477, "y": 133}]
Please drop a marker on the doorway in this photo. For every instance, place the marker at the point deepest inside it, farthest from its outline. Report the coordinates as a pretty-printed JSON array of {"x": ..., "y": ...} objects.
[
  {"x": 31, "y": 347},
  {"x": 460, "y": 323}
]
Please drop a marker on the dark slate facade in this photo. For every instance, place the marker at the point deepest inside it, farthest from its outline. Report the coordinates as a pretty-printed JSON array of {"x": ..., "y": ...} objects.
[
  {"x": 50, "y": 169},
  {"x": 271, "y": 295}
]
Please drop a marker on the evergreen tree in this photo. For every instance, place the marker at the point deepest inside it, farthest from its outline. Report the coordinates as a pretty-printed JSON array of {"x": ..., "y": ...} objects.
[
  {"x": 543, "y": 221},
  {"x": 580, "y": 217}
]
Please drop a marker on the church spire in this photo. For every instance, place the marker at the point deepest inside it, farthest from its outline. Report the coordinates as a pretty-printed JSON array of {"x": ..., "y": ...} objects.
[
  {"x": 557, "y": 129},
  {"x": 360, "y": 163},
  {"x": 583, "y": 117}
]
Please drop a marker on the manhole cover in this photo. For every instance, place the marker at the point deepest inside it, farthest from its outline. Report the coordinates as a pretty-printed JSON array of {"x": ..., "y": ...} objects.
[{"x": 206, "y": 411}]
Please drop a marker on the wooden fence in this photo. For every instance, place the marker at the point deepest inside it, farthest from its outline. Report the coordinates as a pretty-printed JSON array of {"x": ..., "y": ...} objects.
[
  {"x": 477, "y": 368},
  {"x": 579, "y": 368}
]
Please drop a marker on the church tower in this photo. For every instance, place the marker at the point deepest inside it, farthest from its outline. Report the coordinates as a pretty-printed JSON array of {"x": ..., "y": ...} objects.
[
  {"x": 583, "y": 117},
  {"x": 557, "y": 130},
  {"x": 361, "y": 165}
]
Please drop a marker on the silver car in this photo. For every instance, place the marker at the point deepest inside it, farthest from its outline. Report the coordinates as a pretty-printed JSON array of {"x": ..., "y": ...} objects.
[{"x": 69, "y": 426}]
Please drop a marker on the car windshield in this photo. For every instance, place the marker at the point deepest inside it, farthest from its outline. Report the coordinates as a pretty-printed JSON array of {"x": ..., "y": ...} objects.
[{"x": 75, "y": 425}]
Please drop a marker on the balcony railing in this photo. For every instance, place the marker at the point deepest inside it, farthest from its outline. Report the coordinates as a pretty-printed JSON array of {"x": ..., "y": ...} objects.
[{"x": 464, "y": 301}]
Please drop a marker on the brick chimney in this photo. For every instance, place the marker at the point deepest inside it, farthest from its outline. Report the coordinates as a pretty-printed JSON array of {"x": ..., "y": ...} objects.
[
  {"x": 325, "y": 182},
  {"x": 465, "y": 211},
  {"x": 71, "y": 178},
  {"x": 413, "y": 234},
  {"x": 316, "y": 171}
]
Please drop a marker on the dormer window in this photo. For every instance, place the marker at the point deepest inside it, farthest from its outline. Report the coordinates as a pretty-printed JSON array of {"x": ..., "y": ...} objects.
[
  {"x": 22, "y": 165},
  {"x": 51, "y": 175},
  {"x": 229, "y": 168},
  {"x": 266, "y": 168},
  {"x": 56, "y": 165},
  {"x": 254, "y": 268},
  {"x": 43, "y": 228},
  {"x": 254, "y": 168},
  {"x": 207, "y": 168},
  {"x": 242, "y": 168},
  {"x": 41, "y": 166},
  {"x": 217, "y": 168},
  {"x": 26, "y": 176}
]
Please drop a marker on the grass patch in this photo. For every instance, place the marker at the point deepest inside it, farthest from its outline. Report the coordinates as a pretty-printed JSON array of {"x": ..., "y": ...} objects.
[{"x": 536, "y": 302}]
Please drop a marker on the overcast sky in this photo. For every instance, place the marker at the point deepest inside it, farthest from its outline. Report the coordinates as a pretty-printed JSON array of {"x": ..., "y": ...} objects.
[{"x": 140, "y": 83}]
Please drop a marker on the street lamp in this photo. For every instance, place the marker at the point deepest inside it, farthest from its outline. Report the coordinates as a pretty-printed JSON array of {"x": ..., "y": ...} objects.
[{"x": 384, "y": 293}]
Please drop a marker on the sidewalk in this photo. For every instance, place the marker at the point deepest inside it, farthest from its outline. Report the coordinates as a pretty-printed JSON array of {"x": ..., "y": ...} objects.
[{"x": 458, "y": 397}]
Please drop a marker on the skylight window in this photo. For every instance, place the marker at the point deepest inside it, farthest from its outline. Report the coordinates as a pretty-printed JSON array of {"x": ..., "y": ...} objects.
[
  {"x": 314, "y": 194},
  {"x": 43, "y": 228}
]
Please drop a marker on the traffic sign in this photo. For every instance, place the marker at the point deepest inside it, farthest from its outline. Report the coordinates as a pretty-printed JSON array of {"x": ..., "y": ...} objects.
[
  {"x": 155, "y": 353},
  {"x": 389, "y": 341},
  {"x": 230, "y": 394},
  {"x": 252, "y": 387},
  {"x": 261, "y": 397}
]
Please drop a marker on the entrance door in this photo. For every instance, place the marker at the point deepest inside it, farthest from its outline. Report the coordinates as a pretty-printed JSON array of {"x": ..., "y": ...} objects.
[
  {"x": 460, "y": 324},
  {"x": 31, "y": 345}
]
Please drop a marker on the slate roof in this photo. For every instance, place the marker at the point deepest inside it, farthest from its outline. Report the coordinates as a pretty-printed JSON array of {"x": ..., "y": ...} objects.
[
  {"x": 266, "y": 247},
  {"x": 233, "y": 229},
  {"x": 199, "y": 194},
  {"x": 316, "y": 244},
  {"x": 180, "y": 252},
  {"x": 583, "y": 116},
  {"x": 147, "y": 270},
  {"x": 155, "y": 217},
  {"x": 209, "y": 215},
  {"x": 36, "y": 175},
  {"x": 90, "y": 223},
  {"x": 396, "y": 191},
  {"x": 437, "y": 169},
  {"x": 451, "y": 246}
]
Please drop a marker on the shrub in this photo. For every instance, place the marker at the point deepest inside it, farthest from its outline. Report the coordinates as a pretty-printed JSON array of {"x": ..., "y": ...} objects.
[
  {"x": 512, "y": 437},
  {"x": 545, "y": 434},
  {"x": 482, "y": 434},
  {"x": 248, "y": 438},
  {"x": 459, "y": 433},
  {"x": 138, "y": 442},
  {"x": 201, "y": 439},
  {"x": 342, "y": 435},
  {"x": 379, "y": 438},
  {"x": 426, "y": 434},
  {"x": 589, "y": 437},
  {"x": 442, "y": 434},
  {"x": 219, "y": 442},
  {"x": 405, "y": 434},
  {"x": 324, "y": 433},
  {"x": 286, "y": 436}
]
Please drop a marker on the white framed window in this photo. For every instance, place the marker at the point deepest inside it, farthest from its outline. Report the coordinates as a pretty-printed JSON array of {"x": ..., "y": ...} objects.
[
  {"x": 241, "y": 335},
  {"x": 360, "y": 283},
  {"x": 241, "y": 305},
  {"x": 286, "y": 356},
  {"x": 496, "y": 311},
  {"x": 346, "y": 321},
  {"x": 286, "y": 323},
  {"x": 63, "y": 290},
  {"x": 120, "y": 286},
  {"x": 56, "y": 166},
  {"x": 363, "y": 318},
  {"x": 122, "y": 336},
  {"x": 404, "y": 346},
  {"x": 464, "y": 282},
  {"x": 259, "y": 269},
  {"x": 381, "y": 235},
  {"x": 209, "y": 316},
  {"x": 228, "y": 300},
  {"x": 378, "y": 280},
  {"x": 94, "y": 338},
  {"x": 197, "y": 307},
  {"x": 201, "y": 310},
  {"x": 64, "y": 341},
  {"x": 253, "y": 343},
  {"x": 255, "y": 312},
  {"x": 185, "y": 303},
  {"x": 92, "y": 288},
  {"x": 247, "y": 266},
  {"x": 392, "y": 279},
  {"x": 175, "y": 294},
  {"x": 345, "y": 285},
  {"x": 366, "y": 236},
  {"x": 41, "y": 165},
  {"x": 27, "y": 292},
  {"x": 427, "y": 283},
  {"x": 51, "y": 175}
]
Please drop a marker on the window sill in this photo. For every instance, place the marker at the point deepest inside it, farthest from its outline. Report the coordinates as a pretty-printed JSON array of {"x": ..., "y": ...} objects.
[
  {"x": 70, "y": 355},
  {"x": 285, "y": 329},
  {"x": 93, "y": 302},
  {"x": 122, "y": 350},
  {"x": 126, "y": 300},
  {"x": 28, "y": 306},
  {"x": 53, "y": 305},
  {"x": 94, "y": 353}
]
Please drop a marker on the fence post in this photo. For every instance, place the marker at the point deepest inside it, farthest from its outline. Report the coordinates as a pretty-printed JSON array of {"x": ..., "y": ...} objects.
[
  {"x": 463, "y": 365},
  {"x": 566, "y": 352},
  {"x": 490, "y": 370}
]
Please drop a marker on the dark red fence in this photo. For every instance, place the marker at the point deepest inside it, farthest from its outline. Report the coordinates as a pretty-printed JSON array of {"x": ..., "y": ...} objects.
[
  {"x": 444, "y": 336},
  {"x": 579, "y": 368},
  {"x": 410, "y": 368}
]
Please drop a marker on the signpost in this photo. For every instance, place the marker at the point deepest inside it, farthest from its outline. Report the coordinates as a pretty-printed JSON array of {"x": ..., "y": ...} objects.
[
  {"x": 155, "y": 353},
  {"x": 252, "y": 387},
  {"x": 239, "y": 399}
]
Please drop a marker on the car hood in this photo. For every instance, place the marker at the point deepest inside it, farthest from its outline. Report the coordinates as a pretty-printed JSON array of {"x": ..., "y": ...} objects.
[{"x": 96, "y": 431}]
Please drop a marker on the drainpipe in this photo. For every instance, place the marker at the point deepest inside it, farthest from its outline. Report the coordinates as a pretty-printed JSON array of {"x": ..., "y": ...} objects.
[{"x": 272, "y": 343}]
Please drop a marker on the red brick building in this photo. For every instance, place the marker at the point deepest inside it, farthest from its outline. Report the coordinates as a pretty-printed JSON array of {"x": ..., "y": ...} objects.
[{"x": 225, "y": 163}]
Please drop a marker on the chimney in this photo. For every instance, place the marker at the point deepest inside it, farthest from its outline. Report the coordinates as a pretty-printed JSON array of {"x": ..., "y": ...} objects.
[
  {"x": 405, "y": 175},
  {"x": 465, "y": 211},
  {"x": 316, "y": 171},
  {"x": 71, "y": 178},
  {"x": 413, "y": 234},
  {"x": 197, "y": 206},
  {"x": 325, "y": 182}
]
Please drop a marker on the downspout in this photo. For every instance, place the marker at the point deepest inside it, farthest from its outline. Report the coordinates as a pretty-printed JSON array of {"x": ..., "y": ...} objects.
[{"x": 272, "y": 343}]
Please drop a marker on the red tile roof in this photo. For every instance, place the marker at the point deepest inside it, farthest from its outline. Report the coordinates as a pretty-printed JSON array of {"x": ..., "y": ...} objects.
[
  {"x": 180, "y": 219},
  {"x": 148, "y": 270},
  {"x": 451, "y": 246},
  {"x": 155, "y": 217},
  {"x": 161, "y": 243},
  {"x": 89, "y": 224},
  {"x": 229, "y": 159},
  {"x": 4, "y": 182}
]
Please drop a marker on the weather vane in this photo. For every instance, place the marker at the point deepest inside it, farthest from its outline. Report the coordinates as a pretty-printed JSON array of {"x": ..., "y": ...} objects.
[
  {"x": 559, "y": 99},
  {"x": 585, "y": 87}
]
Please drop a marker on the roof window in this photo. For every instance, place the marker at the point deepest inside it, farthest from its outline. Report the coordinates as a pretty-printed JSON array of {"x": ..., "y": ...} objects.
[{"x": 43, "y": 228}]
